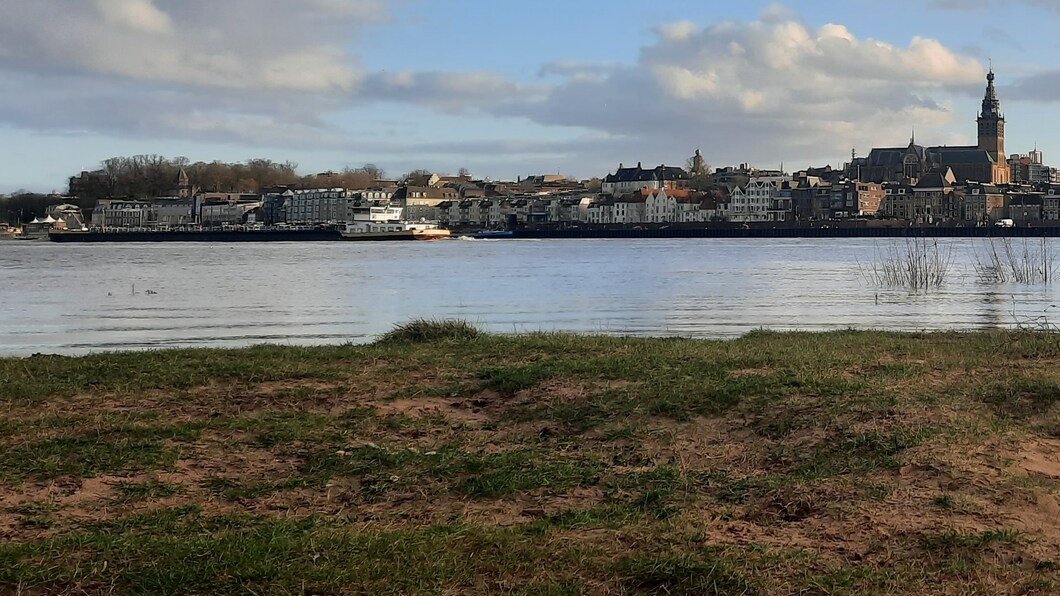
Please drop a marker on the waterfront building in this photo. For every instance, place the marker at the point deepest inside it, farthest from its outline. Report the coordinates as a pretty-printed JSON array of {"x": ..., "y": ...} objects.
[
  {"x": 630, "y": 208},
  {"x": 274, "y": 206},
  {"x": 160, "y": 212},
  {"x": 564, "y": 210},
  {"x": 863, "y": 199},
  {"x": 688, "y": 204},
  {"x": 119, "y": 213},
  {"x": 897, "y": 200},
  {"x": 66, "y": 216},
  {"x": 479, "y": 214},
  {"x": 420, "y": 202},
  {"x": 1024, "y": 207},
  {"x": 932, "y": 199},
  {"x": 601, "y": 210},
  {"x": 983, "y": 203},
  {"x": 661, "y": 207},
  {"x": 1029, "y": 168},
  {"x": 318, "y": 206},
  {"x": 221, "y": 213},
  {"x": 752, "y": 202},
  {"x": 1051, "y": 204},
  {"x": 811, "y": 198},
  {"x": 781, "y": 206},
  {"x": 629, "y": 180}
]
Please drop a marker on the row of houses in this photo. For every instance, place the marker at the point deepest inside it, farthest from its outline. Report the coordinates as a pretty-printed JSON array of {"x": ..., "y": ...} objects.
[
  {"x": 629, "y": 196},
  {"x": 933, "y": 199}
]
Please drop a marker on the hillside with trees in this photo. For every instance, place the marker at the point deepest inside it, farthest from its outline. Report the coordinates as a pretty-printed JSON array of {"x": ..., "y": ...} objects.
[{"x": 141, "y": 176}]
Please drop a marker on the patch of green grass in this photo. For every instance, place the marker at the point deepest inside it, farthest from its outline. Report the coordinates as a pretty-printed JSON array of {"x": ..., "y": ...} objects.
[
  {"x": 238, "y": 490},
  {"x": 495, "y": 475},
  {"x": 513, "y": 379},
  {"x": 942, "y": 501},
  {"x": 30, "y": 380},
  {"x": 739, "y": 490},
  {"x": 124, "y": 448},
  {"x": 149, "y": 489},
  {"x": 853, "y": 452},
  {"x": 194, "y": 554},
  {"x": 356, "y": 461},
  {"x": 601, "y": 516},
  {"x": 952, "y": 540},
  {"x": 430, "y": 331},
  {"x": 1021, "y": 396},
  {"x": 37, "y": 514},
  {"x": 701, "y": 573},
  {"x": 1039, "y": 585},
  {"x": 284, "y": 428},
  {"x": 552, "y": 588}
]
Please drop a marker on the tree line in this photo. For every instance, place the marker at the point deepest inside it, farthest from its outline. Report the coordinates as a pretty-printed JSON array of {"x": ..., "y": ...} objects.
[
  {"x": 145, "y": 176},
  {"x": 142, "y": 176}
]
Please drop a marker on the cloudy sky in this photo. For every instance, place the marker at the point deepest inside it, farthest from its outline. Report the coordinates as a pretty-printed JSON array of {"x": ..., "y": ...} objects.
[{"x": 508, "y": 89}]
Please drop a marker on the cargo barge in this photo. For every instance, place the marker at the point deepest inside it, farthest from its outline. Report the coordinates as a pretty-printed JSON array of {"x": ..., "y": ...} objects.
[
  {"x": 777, "y": 232},
  {"x": 328, "y": 235},
  {"x": 267, "y": 235}
]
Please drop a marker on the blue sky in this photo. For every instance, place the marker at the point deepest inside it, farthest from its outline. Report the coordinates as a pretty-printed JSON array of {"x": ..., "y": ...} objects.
[{"x": 510, "y": 89}]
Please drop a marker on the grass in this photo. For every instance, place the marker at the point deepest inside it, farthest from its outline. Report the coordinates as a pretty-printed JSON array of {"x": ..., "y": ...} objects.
[
  {"x": 428, "y": 330},
  {"x": 919, "y": 264},
  {"x": 445, "y": 460}
]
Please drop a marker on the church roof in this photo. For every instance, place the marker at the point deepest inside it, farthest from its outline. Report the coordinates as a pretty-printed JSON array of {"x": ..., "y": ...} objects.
[
  {"x": 963, "y": 155},
  {"x": 889, "y": 156},
  {"x": 895, "y": 156}
]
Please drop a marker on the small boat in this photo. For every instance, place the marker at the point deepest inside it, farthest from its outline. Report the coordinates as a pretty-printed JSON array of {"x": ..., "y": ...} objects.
[
  {"x": 493, "y": 234},
  {"x": 386, "y": 223}
]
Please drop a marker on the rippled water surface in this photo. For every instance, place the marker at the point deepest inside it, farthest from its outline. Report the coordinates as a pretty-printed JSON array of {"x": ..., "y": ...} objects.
[{"x": 74, "y": 299}]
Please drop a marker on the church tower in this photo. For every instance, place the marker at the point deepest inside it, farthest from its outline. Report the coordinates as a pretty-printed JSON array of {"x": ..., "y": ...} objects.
[
  {"x": 183, "y": 188},
  {"x": 992, "y": 124}
]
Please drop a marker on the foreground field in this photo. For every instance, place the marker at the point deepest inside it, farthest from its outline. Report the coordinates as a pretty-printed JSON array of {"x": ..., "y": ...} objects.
[{"x": 850, "y": 462}]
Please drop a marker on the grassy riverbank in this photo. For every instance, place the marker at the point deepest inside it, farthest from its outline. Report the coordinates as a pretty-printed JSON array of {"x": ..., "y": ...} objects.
[{"x": 853, "y": 462}]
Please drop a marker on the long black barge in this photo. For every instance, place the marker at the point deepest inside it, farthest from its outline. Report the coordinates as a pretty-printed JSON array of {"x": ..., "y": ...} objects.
[
  {"x": 328, "y": 235},
  {"x": 789, "y": 232},
  {"x": 198, "y": 236}
]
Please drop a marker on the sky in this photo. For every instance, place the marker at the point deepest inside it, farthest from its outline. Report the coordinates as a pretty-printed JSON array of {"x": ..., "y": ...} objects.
[{"x": 510, "y": 89}]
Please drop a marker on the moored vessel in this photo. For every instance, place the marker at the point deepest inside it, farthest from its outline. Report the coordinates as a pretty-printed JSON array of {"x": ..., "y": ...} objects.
[{"x": 386, "y": 223}]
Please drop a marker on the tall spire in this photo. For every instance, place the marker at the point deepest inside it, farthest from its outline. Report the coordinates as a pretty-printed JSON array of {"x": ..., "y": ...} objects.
[{"x": 991, "y": 104}]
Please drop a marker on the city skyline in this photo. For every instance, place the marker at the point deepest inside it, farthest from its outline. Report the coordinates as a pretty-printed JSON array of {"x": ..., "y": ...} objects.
[{"x": 443, "y": 85}]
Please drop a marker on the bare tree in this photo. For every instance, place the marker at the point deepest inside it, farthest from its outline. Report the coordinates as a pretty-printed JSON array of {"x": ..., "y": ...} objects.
[{"x": 373, "y": 170}]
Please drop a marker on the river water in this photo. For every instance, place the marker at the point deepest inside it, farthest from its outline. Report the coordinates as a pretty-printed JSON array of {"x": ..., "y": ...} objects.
[{"x": 75, "y": 299}]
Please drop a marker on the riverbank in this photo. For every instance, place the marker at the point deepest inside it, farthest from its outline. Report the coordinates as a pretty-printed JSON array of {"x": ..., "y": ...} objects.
[
  {"x": 851, "y": 462},
  {"x": 645, "y": 231}
]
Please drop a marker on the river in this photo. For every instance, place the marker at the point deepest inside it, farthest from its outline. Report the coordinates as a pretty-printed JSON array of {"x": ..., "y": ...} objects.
[{"x": 81, "y": 298}]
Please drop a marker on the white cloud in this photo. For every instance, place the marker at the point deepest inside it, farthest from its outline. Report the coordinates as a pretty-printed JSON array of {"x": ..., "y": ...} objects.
[
  {"x": 770, "y": 89},
  {"x": 139, "y": 15},
  {"x": 678, "y": 31},
  {"x": 291, "y": 45},
  {"x": 446, "y": 91}
]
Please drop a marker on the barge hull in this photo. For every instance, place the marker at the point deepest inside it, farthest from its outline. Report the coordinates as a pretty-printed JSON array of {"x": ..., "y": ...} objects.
[{"x": 200, "y": 236}]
